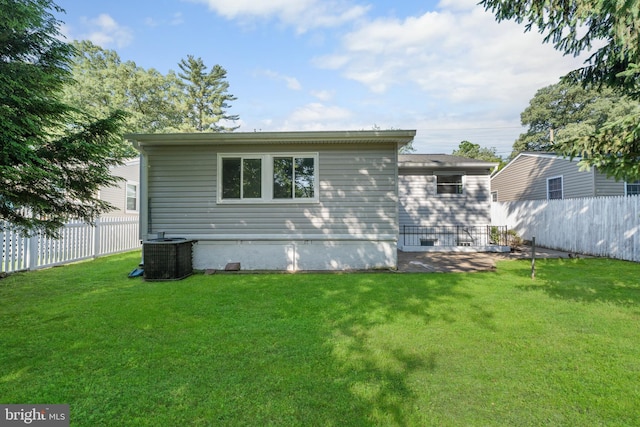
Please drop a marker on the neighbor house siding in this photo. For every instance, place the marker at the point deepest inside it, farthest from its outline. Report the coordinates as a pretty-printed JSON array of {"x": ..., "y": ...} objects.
[
  {"x": 117, "y": 195},
  {"x": 420, "y": 205},
  {"x": 517, "y": 182},
  {"x": 356, "y": 194},
  {"x": 525, "y": 178},
  {"x": 608, "y": 186}
]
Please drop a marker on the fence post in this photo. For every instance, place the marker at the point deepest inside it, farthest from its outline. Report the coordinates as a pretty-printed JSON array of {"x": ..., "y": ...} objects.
[
  {"x": 32, "y": 260},
  {"x": 533, "y": 258},
  {"x": 96, "y": 239}
]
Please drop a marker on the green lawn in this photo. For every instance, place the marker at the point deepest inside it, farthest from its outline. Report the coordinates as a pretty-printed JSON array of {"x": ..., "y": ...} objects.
[{"x": 386, "y": 349}]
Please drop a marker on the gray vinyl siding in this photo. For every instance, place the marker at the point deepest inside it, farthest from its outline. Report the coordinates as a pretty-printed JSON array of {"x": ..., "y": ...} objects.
[
  {"x": 526, "y": 179},
  {"x": 575, "y": 183},
  {"x": 420, "y": 205},
  {"x": 117, "y": 195},
  {"x": 608, "y": 186},
  {"x": 357, "y": 193}
]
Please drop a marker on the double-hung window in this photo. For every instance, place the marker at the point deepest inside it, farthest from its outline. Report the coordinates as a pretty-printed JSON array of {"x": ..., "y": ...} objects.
[
  {"x": 131, "y": 196},
  {"x": 554, "y": 188},
  {"x": 268, "y": 178},
  {"x": 449, "y": 184}
]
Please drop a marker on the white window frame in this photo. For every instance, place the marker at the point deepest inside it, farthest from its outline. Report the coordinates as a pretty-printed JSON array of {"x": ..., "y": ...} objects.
[
  {"x": 267, "y": 178},
  {"x": 463, "y": 184},
  {"x": 561, "y": 178},
  {"x": 126, "y": 197},
  {"x": 494, "y": 196},
  {"x": 626, "y": 187}
]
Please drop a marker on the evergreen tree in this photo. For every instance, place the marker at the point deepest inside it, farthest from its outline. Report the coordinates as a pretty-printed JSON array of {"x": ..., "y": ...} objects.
[
  {"x": 207, "y": 97},
  {"x": 561, "y": 113},
  {"x": 53, "y": 159}
]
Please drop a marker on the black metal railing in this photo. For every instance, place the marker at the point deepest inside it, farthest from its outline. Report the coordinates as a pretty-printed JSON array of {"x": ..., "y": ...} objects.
[{"x": 454, "y": 235}]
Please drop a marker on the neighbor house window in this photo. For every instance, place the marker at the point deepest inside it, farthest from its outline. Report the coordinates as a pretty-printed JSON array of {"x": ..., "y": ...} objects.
[
  {"x": 267, "y": 178},
  {"x": 554, "y": 188},
  {"x": 632, "y": 188},
  {"x": 494, "y": 196},
  {"x": 132, "y": 196},
  {"x": 449, "y": 184}
]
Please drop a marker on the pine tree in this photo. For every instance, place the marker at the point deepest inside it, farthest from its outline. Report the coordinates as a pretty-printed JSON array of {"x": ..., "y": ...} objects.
[
  {"x": 207, "y": 97},
  {"x": 53, "y": 159}
]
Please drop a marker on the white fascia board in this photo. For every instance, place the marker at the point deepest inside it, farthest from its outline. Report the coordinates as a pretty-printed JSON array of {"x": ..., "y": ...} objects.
[{"x": 400, "y": 137}]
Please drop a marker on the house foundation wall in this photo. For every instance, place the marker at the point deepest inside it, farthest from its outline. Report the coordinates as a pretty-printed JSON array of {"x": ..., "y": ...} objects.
[{"x": 302, "y": 255}]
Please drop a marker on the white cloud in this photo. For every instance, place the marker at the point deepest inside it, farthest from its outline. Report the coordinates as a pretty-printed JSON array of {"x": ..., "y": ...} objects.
[
  {"x": 150, "y": 22},
  {"x": 323, "y": 95},
  {"x": 318, "y": 116},
  {"x": 292, "y": 82},
  {"x": 177, "y": 19},
  {"x": 301, "y": 14},
  {"x": 458, "y": 54},
  {"x": 105, "y": 31}
]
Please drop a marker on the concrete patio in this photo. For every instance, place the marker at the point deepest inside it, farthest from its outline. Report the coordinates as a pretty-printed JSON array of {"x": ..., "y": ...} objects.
[{"x": 449, "y": 262}]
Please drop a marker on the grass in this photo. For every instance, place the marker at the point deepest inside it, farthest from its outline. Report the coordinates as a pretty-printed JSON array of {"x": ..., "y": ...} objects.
[{"x": 491, "y": 348}]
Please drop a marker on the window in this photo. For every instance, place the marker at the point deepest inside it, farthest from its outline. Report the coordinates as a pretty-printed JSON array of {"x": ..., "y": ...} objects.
[
  {"x": 554, "y": 188},
  {"x": 632, "y": 188},
  {"x": 241, "y": 178},
  {"x": 494, "y": 196},
  {"x": 132, "y": 197},
  {"x": 449, "y": 184},
  {"x": 267, "y": 178},
  {"x": 293, "y": 177}
]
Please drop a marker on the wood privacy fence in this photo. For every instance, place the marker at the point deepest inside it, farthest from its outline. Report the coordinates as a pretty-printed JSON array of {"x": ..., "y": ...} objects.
[
  {"x": 78, "y": 241},
  {"x": 602, "y": 226}
]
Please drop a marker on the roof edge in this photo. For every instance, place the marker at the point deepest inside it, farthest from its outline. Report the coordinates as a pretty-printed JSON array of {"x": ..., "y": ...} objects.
[
  {"x": 540, "y": 154},
  {"x": 401, "y": 137},
  {"x": 478, "y": 165}
]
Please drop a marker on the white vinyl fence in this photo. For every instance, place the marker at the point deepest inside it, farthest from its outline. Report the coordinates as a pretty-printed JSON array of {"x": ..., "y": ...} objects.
[
  {"x": 602, "y": 226},
  {"x": 78, "y": 241}
]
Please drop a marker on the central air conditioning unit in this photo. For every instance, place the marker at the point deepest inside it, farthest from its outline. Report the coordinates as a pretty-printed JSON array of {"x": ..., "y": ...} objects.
[{"x": 167, "y": 258}]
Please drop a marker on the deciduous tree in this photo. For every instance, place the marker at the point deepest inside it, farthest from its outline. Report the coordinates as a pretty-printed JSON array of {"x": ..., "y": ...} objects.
[
  {"x": 475, "y": 151},
  {"x": 103, "y": 82}
]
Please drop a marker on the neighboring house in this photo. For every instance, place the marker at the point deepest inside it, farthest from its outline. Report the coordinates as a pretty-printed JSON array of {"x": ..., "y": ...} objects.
[
  {"x": 444, "y": 202},
  {"x": 545, "y": 176},
  {"x": 125, "y": 195},
  {"x": 275, "y": 200}
]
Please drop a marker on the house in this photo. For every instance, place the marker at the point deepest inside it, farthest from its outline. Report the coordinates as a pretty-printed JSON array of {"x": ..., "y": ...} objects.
[
  {"x": 544, "y": 176},
  {"x": 275, "y": 200},
  {"x": 125, "y": 196},
  {"x": 444, "y": 202}
]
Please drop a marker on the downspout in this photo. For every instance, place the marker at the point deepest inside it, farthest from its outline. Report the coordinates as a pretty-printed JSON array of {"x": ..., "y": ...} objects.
[
  {"x": 144, "y": 219},
  {"x": 397, "y": 179}
]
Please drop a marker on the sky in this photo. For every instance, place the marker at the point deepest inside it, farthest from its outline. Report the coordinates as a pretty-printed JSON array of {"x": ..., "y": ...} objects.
[{"x": 445, "y": 69}]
